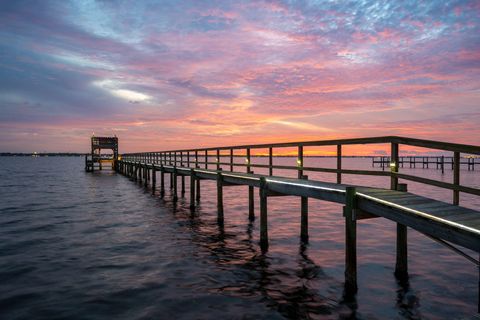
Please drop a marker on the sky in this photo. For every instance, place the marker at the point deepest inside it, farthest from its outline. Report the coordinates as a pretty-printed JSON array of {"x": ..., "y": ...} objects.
[{"x": 165, "y": 75}]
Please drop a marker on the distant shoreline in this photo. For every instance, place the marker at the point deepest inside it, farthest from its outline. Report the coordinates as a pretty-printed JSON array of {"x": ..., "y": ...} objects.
[{"x": 75, "y": 154}]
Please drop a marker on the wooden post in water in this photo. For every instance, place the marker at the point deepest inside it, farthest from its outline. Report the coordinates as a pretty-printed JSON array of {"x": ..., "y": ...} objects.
[
  {"x": 219, "y": 197},
  {"x": 456, "y": 177},
  {"x": 401, "y": 264},
  {"x": 162, "y": 181},
  {"x": 183, "y": 185},
  {"x": 139, "y": 169},
  {"x": 263, "y": 215},
  {"x": 145, "y": 175},
  {"x": 303, "y": 200},
  {"x": 350, "y": 241},
  {"x": 339, "y": 163},
  {"x": 174, "y": 175},
  {"x": 192, "y": 189},
  {"x": 304, "y": 217},
  {"x": 197, "y": 180},
  {"x": 154, "y": 178}
]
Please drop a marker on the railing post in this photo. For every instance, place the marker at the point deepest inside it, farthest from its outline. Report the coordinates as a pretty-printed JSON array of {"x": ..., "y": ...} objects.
[
  {"x": 394, "y": 166},
  {"x": 251, "y": 205},
  {"x": 196, "y": 179},
  {"x": 300, "y": 162},
  {"x": 263, "y": 215},
  {"x": 218, "y": 159},
  {"x": 206, "y": 159},
  {"x": 339, "y": 163},
  {"x": 219, "y": 197},
  {"x": 456, "y": 177},
  {"x": 270, "y": 161},
  {"x": 304, "y": 217},
  {"x": 350, "y": 241}
]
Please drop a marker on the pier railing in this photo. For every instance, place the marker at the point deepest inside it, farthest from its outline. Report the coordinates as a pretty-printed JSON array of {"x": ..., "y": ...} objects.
[{"x": 197, "y": 158}]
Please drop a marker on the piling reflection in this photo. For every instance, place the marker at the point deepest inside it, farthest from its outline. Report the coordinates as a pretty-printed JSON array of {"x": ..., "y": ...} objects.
[{"x": 288, "y": 288}]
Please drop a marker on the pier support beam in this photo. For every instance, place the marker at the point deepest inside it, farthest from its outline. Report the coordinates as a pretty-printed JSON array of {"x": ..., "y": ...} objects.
[
  {"x": 162, "y": 181},
  {"x": 251, "y": 204},
  {"x": 198, "y": 190},
  {"x": 350, "y": 242},
  {"x": 220, "y": 197},
  {"x": 145, "y": 173},
  {"x": 304, "y": 217},
  {"x": 192, "y": 189},
  {"x": 175, "y": 191},
  {"x": 263, "y": 215},
  {"x": 154, "y": 179},
  {"x": 183, "y": 186},
  {"x": 401, "y": 265}
]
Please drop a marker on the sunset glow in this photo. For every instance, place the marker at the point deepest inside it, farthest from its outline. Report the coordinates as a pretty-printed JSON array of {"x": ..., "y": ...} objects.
[{"x": 172, "y": 75}]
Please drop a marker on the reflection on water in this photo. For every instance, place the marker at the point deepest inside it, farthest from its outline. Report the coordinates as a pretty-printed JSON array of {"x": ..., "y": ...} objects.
[{"x": 77, "y": 245}]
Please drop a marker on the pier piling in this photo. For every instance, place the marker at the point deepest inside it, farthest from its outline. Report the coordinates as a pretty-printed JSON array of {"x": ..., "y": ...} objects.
[
  {"x": 263, "y": 215},
  {"x": 350, "y": 241}
]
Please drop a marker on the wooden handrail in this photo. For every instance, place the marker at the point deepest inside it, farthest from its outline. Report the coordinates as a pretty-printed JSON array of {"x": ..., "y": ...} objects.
[{"x": 170, "y": 157}]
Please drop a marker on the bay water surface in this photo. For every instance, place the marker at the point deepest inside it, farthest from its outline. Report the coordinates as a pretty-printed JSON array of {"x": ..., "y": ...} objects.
[{"x": 77, "y": 245}]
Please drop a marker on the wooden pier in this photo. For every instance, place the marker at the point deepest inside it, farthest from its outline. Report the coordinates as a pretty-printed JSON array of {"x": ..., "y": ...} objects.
[
  {"x": 427, "y": 162},
  {"x": 450, "y": 224}
]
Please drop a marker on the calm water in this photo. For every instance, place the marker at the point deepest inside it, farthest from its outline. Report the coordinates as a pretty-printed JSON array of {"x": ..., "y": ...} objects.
[{"x": 98, "y": 246}]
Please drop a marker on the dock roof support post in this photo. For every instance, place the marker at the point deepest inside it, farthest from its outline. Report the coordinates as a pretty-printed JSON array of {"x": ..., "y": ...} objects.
[
  {"x": 263, "y": 215},
  {"x": 350, "y": 242},
  {"x": 219, "y": 197}
]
